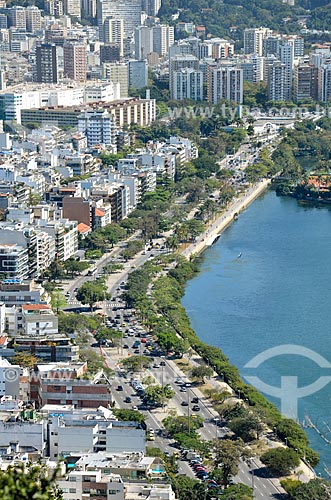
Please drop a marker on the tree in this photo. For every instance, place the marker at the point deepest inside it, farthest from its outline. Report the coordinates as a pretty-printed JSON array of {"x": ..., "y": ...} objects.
[
  {"x": 58, "y": 300},
  {"x": 316, "y": 489},
  {"x": 237, "y": 492},
  {"x": 25, "y": 360},
  {"x": 104, "y": 334},
  {"x": 281, "y": 460},
  {"x": 247, "y": 428},
  {"x": 187, "y": 488},
  {"x": 91, "y": 292},
  {"x": 73, "y": 266},
  {"x": 227, "y": 455},
  {"x": 55, "y": 270},
  {"x": 158, "y": 395},
  {"x": 172, "y": 242},
  {"x": 181, "y": 424},
  {"x": 200, "y": 372},
  {"x": 28, "y": 483},
  {"x": 129, "y": 415},
  {"x": 136, "y": 363}
]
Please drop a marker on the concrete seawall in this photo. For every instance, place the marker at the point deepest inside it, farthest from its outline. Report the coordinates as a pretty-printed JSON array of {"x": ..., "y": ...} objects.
[{"x": 214, "y": 229}]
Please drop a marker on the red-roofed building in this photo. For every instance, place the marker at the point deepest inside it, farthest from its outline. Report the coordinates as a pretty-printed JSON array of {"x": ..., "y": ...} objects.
[
  {"x": 83, "y": 229},
  {"x": 38, "y": 319}
]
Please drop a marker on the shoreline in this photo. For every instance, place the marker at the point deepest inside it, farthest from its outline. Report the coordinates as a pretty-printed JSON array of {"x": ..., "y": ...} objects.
[{"x": 214, "y": 229}]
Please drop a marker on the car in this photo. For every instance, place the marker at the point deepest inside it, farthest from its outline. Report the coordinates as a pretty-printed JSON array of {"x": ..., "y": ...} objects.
[
  {"x": 202, "y": 475},
  {"x": 178, "y": 380},
  {"x": 184, "y": 403},
  {"x": 135, "y": 408},
  {"x": 136, "y": 351},
  {"x": 156, "y": 365},
  {"x": 196, "y": 408},
  {"x": 125, "y": 346},
  {"x": 195, "y": 400},
  {"x": 120, "y": 388},
  {"x": 183, "y": 389},
  {"x": 143, "y": 340},
  {"x": 163, "y": 363},
  {"x": 127, "y": 399}
]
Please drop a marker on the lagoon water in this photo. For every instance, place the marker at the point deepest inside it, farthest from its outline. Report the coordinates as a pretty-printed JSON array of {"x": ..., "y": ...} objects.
[{"x": 277, "y": 293}]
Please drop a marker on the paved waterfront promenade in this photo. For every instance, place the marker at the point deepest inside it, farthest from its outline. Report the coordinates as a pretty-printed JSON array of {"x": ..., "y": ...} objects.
[{"x": 215, "y": 228}]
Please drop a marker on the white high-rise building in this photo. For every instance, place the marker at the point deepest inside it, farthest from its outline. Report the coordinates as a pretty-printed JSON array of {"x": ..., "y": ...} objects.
[
  {"x": 163, "y": 38},
  {"x": 286, "y": 57},
  {"x": 252, "y": 67},
  {"x": 113, "y": 32},
  {"x": 128, "y": 10},
  {"x": 187, "y": 84},
  {"x": 277, "y": 78},
  {"x": 72, "y": 8},
  {"x": 118, "y": 73},
  {"x": 151, "y": 7},
  {"x": 33, "y": 19},
  {"x": 99, "y": 127},
  {"x": 17, "y": 17},
  {"x": 253, "y": 40},
  {"x": 324, "y": 83},
  {"x": 143, "y": 41},
  {"x": 225, "y": 82}
]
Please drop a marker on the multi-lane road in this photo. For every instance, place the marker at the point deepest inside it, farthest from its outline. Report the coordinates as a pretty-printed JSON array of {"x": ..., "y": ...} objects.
[{"x": 253, "y": 474}]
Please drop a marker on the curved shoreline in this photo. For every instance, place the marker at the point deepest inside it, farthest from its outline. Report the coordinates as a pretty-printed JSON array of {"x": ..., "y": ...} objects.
[{"x": 215, "y": 228}]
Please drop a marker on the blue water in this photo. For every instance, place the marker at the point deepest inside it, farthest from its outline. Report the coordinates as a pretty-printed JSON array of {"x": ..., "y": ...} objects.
[{"x": 277, "y": 293}]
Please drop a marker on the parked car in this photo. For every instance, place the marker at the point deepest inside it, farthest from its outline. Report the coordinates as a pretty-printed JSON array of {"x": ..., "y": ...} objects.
[
  {"x": 184, "y": 403},
  {"x": 196, "y": 408},
  {"x": 127, "y": 399},
  {"x": 120, "y": 388}
]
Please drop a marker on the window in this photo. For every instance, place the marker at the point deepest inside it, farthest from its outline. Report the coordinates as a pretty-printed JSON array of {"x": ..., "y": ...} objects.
[{"x": 72, "y": 490}]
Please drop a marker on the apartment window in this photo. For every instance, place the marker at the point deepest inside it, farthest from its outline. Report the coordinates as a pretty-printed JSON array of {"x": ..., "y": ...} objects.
[{"x": 72, "y": 490}]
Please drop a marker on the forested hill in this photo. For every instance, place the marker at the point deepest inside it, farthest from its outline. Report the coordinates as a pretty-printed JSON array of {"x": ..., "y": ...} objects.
[{"x": 219, "y": 16}]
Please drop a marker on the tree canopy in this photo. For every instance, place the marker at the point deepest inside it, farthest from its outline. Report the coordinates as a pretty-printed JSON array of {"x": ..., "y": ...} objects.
[
  {"x": 281, "y": 460},
  {"x": 33, "y": 483}
]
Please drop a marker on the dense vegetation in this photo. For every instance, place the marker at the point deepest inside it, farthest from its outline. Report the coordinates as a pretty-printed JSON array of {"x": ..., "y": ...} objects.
[
  {"x": 307, "y": 143},
  {"x": 33, "y": 482},
  {"x": 219, "y": 17}
]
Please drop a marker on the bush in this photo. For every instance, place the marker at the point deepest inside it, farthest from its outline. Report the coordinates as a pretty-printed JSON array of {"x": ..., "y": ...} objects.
[{"x": 281, "y": 460}]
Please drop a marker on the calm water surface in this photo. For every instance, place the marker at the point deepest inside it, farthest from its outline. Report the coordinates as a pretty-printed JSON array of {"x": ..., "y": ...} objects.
[{"x": 278, "y": 292}]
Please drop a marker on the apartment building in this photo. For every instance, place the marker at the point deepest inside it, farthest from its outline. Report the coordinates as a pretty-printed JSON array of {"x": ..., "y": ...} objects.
[
  {"x": 62, "y": 385},
  {"x": 225, "y": 82},
  {"x": 13, "y": 261}
]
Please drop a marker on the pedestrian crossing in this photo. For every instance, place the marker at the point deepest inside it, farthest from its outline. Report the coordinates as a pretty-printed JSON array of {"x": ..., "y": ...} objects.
[{"x": 107, "y": 305}]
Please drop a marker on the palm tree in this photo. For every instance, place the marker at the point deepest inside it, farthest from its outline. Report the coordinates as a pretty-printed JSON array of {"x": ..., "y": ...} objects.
[{"x": 172, "y": 242}]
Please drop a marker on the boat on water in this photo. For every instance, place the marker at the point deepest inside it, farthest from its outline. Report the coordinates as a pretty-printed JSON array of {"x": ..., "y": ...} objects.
[{"x": 239, "y": 255}]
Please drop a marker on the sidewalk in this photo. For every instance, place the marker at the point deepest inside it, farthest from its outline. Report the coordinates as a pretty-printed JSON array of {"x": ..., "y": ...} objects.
[{"x": 214, "y": 229}]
